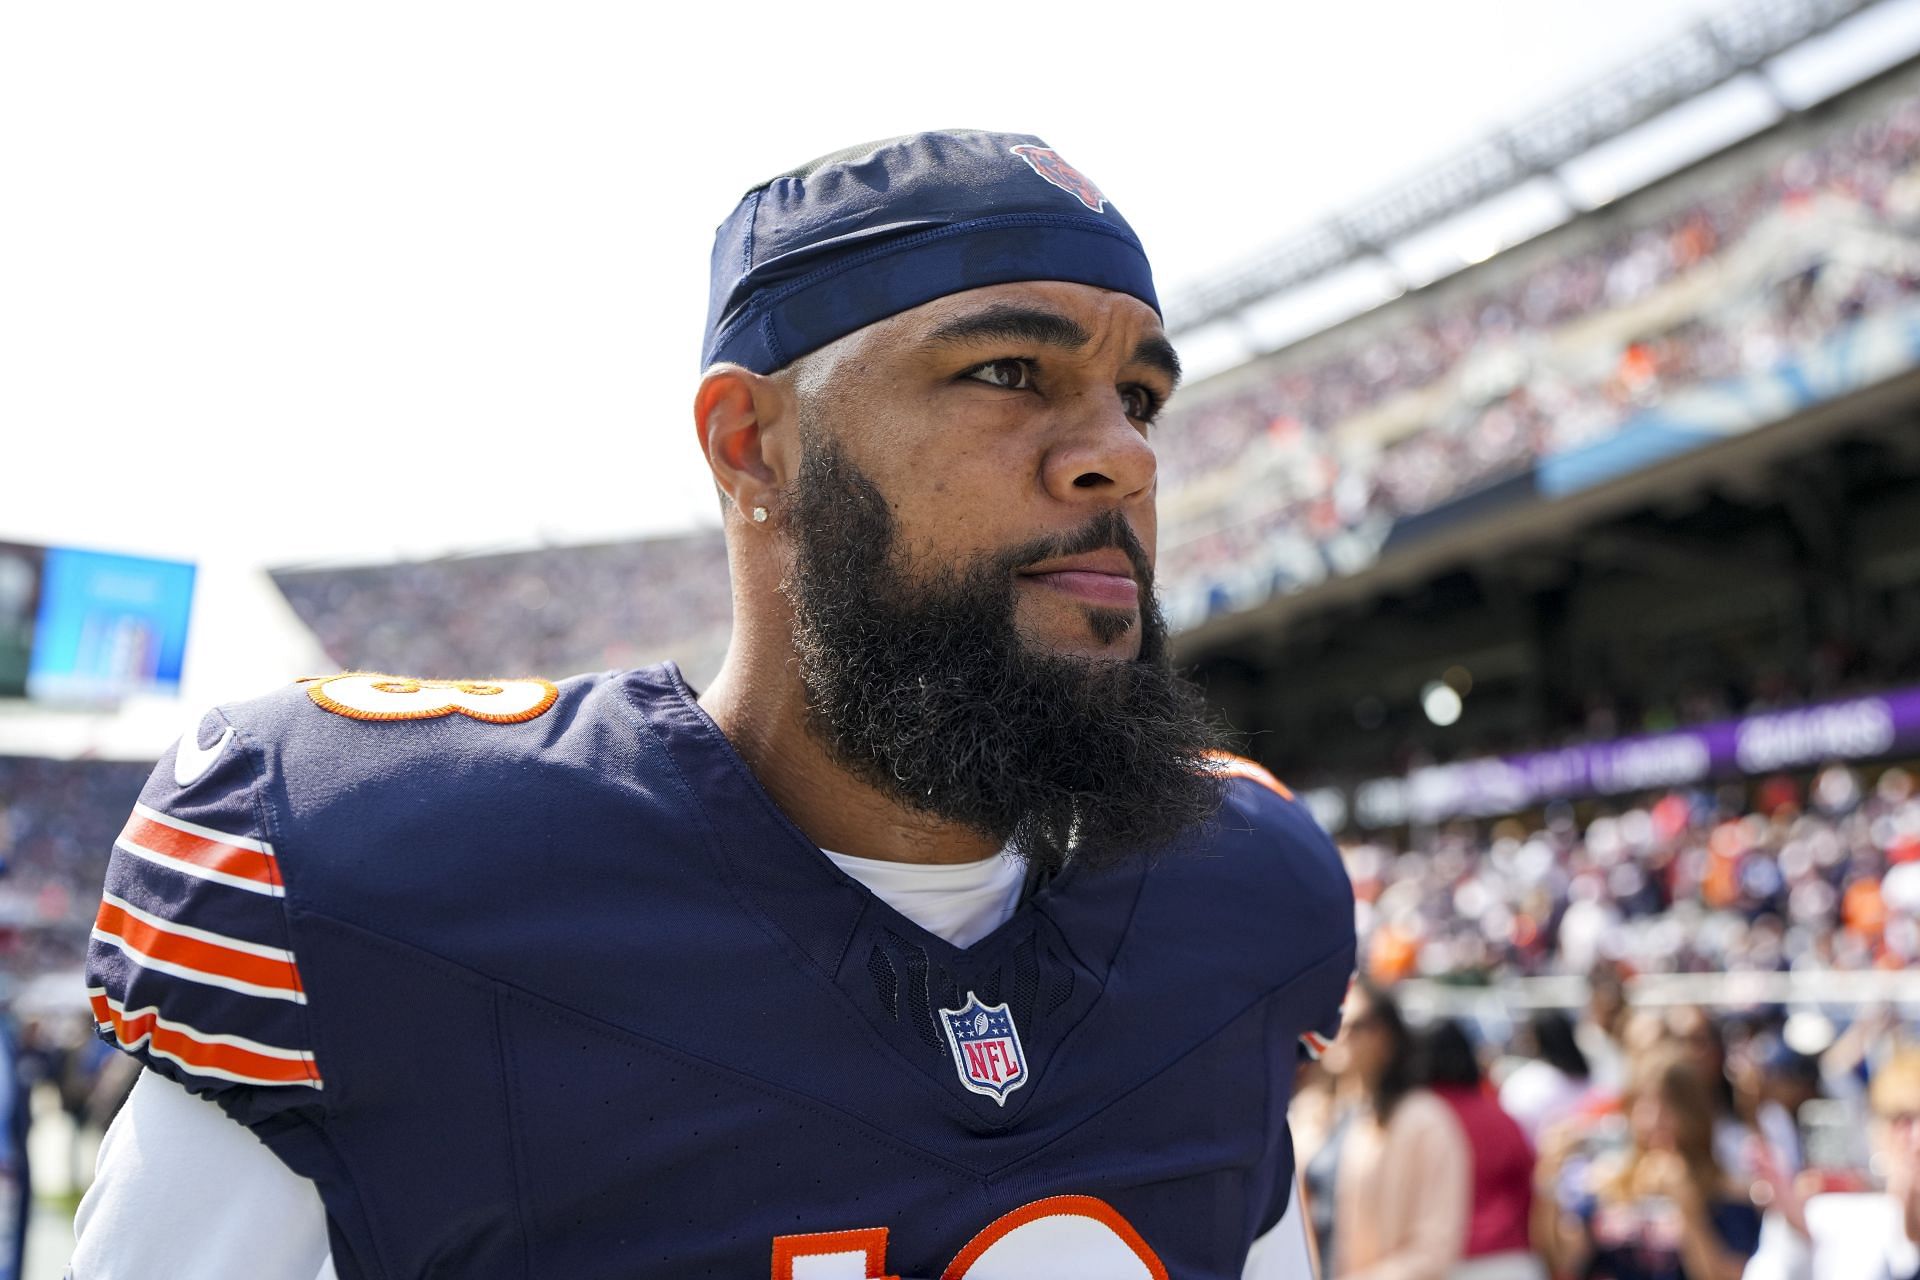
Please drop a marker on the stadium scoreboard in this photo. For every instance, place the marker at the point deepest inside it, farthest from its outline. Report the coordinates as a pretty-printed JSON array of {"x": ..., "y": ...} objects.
[{"x": 90, "y": 627}]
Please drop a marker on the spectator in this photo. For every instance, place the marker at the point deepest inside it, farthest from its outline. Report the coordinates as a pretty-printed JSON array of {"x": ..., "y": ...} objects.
[
  {"x": 1663, "y": 1209},
  {"x": 1895, "y": 1094},
  {"x": 1862, "y": 1235},
  {"x": 1602, "y": 1023},
  {"x": 1785, "y": 1081},
  {"x": 1402, "y": 1190},
  {"x": 1326, "y": 1100},
  {"x": 15, "y": 1180},
  {"x": 1773, "y": 1082},
  {"x": 1549, "y": 1086},
  {"x": 1703, "y": 1046},
  {"x": 1497, "y": 1247}
]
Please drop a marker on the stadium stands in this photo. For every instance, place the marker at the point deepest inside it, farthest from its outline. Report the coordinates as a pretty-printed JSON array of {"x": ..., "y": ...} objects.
[
  {"x": 550, "y": 612},
  {"x": 1300, "y": 467},
  {"x": 1822, "y": 875},
  {"x": 58, "y": 820}
]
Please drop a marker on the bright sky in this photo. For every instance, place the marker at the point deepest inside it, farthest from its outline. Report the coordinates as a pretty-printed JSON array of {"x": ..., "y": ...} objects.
[{"x": 284, "y": 283}]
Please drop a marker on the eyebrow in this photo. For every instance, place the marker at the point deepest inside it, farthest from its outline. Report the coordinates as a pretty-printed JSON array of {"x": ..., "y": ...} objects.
[
  {"x": 1157, "y": 353},
  {"x": 1011, "y": 323}
]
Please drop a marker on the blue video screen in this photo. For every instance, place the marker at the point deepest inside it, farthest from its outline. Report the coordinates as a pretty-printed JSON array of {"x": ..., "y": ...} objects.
[
  {"x": 20, "y": 567},
  {"x": 108, "y": 626}
]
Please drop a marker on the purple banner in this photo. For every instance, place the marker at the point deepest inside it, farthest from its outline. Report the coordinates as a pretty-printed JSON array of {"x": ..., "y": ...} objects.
[{"x": 1848, "y": 729}]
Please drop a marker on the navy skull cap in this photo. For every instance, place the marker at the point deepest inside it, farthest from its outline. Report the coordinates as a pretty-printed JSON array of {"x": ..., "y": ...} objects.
[{"x": 868, "y": 232}]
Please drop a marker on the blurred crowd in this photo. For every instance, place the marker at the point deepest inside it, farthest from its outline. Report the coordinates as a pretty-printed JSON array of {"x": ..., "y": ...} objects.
[
  {"x": 58, "y": 821},
  {"x": 1792, "y": 877},
  {"x": 1301, "y": 474},
  {"x": 1623, "y": 1143},
  {"x": 1638, "y": 1141},
  {"x": 548, "y": 612}
]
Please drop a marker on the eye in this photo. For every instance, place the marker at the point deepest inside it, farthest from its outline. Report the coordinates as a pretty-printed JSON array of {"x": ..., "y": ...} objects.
[
  {"x": 1143, "y": 403},
  {"x": 1011, "y": 374}
]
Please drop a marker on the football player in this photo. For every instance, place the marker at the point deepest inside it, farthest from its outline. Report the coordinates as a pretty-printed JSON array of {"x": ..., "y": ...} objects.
[{"x": 934, "y": 937}]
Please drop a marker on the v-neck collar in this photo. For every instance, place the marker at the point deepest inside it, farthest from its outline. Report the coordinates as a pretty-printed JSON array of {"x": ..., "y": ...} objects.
[
  {"x": 960, "y": 901},
  {"x": 767, "y": 850},
  {"x": 1063, "y": 936}
]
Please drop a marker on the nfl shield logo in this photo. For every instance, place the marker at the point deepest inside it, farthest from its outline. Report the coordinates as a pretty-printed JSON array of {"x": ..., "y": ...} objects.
[{"x": 986, "y": 1048}]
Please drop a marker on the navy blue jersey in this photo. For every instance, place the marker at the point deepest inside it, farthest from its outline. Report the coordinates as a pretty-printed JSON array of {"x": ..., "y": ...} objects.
[{"x": 536, "y": 981}]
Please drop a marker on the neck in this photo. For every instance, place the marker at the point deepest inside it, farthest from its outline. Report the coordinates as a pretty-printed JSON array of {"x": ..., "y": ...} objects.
[{"x": 760, "y": 706}]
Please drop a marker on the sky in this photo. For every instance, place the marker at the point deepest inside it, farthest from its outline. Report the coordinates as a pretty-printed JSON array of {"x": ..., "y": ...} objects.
[{"x": 291, "y": 284}]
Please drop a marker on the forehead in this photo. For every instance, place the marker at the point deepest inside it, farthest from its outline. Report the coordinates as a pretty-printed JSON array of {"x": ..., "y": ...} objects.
[{"x": 1104, "y": 313}]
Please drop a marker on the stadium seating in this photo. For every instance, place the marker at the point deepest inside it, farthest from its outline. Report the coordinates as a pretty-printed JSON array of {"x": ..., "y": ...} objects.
[{"x": 1302, "y": 469}]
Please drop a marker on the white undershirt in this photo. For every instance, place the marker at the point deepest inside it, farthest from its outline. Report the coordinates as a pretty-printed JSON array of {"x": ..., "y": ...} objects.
[
  {"x": 181, "y": 1189},
  {"x": 962, "y": 902}
]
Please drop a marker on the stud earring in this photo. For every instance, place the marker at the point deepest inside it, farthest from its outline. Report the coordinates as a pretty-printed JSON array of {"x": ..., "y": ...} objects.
[{"x": 759, "y": 515}]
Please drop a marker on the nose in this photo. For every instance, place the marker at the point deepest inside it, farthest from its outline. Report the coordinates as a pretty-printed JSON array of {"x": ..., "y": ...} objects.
[{"x": 1100, "y": 456}]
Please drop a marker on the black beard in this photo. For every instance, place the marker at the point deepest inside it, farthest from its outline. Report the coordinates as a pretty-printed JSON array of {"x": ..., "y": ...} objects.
[{"x": 920, "y": 685}]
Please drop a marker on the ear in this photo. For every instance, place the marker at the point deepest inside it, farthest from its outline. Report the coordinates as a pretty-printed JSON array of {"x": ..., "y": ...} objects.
[{"x": 745, "y": 423}]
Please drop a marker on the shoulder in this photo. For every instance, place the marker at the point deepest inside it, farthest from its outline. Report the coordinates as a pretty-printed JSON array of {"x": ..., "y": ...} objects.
[
  {"x": 1267, "y": 843},
  {"x": 319, "y": 782},
  {"x": 335, "y": 737},
  {"x": 345, "y": 768},
  {"x": 1424, "y": 1111},
  {"x": 401, "y": 712},
  {"x": 298, "y": 799},
  {"x": 1264, "y": 881},
  {"x": 225, "y": 794}
]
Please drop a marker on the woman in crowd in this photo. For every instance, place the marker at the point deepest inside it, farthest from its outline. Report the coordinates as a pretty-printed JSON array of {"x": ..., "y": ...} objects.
[
  {"x": 1325, "y": 1101},
  {"x": 1401, "y": 1186},
  {"x": 1865, "y": 1235},
  {"x": 1498, "y": 1214},
  {"x": 1551, "y": 1084},
  {"x": 1896, "y": 1124},
  {"x": 1662, "y": 1209},
  {"x": 1703, "y": 1042}
]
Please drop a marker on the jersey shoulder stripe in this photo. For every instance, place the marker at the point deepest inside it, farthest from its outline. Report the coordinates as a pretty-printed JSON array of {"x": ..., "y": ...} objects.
[
  {"x": 200, "y": 851},
  {"x": 221, "y": 1057},
  {"x": 190, "y": 966},
  {"x": 1241, "y": 767},
  {"x": 197, "y": 955}
]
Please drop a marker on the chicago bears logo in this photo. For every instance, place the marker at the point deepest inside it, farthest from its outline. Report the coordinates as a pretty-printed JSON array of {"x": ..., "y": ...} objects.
[{"x": 1050, "y": 165}]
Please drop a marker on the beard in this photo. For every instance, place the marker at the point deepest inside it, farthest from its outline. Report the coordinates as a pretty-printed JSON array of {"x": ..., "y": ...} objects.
[{"x": 919, "y": 684}]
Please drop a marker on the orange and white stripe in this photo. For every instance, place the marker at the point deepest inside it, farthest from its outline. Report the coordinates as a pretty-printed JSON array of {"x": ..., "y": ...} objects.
[
  {"x": 198, "y": 955},
  {"x": 1241, "y": 767},
  {"x": 221, "y": 1057},
  {"x": 202, "y": 852},
  {"x": 1315, "y": 1044}
]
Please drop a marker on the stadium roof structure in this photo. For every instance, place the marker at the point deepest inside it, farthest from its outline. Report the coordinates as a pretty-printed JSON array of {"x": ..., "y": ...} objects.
[{"x": 1722, "y": 48}]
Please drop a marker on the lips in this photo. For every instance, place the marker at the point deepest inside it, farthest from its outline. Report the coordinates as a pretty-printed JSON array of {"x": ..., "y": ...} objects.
[{"x": 1101, "y": 578}]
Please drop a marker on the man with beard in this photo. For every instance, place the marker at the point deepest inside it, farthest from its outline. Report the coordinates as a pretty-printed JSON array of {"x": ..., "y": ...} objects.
[{"x": 935, "y": 937}]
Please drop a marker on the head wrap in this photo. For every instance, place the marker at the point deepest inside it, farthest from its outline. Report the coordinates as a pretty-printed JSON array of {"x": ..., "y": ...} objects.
[{"x": 871, "y": 231}]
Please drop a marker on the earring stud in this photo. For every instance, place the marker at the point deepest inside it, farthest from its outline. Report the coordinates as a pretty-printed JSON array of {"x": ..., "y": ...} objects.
[{"x": 759, "y": 515}]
